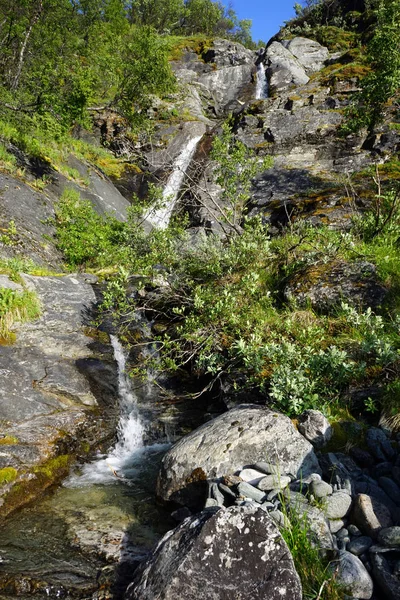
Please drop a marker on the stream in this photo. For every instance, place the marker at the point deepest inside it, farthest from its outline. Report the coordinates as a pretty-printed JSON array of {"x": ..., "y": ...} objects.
[{"x": 103, "y": 514}]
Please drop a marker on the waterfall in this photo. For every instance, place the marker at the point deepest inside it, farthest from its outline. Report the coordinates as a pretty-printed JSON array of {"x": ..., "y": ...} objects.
[
  {"x": 122, "y": 459},
  {"x": 160, "y": 217},
  {"x": 262, "y": 82}
]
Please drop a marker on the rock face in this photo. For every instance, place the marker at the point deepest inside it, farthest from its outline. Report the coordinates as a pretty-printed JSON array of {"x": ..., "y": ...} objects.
[
  {"x": 283, "y": 69},
  {"x": 310, "y": 54},
  {"x": 236, "y": 552},
  {"x": 242, "y": 436},
  {"x": 52, "y": 380}
]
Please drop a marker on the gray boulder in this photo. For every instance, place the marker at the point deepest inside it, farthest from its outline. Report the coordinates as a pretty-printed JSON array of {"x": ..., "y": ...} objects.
[
  {"x": 284, "y": 71},
  {"x": 236, "y": 552},
  {"x": 310, "y": 54},
  {"x": 390, "y": 537},
  {"x": 353, "y": 576},
  {"x": 315, "y": 427},
  {"x": 337, "y": 505},
  {"x": 243, "y": 436}
]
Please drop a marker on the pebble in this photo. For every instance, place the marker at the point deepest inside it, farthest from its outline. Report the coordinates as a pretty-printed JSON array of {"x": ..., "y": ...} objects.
[
  {"x": 342, "y": 533},
  {"x": 359, "y": 545},
  {"x": 320, "y": 489},
  {"x": 335, "y": 525},
  {"x": 249, "y": 491},
  {"x": 215, "y": 493},
  {"x": 337, "y": 505},
  {"x": 353, "y": 530},
  {"x": 210, "y": 502},
  {"x": 389, "y": 536},
  {"x": 251, "y": 476},
  {"x": 273, "y": 482}
]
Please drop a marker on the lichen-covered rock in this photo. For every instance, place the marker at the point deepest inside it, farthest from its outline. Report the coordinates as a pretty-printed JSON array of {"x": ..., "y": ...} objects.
[
  {"x": 326, "y": 286},
  {"x": 315, "y": 427},
  {"x": 310, "y": 54},
  {"x": 242, "y": 436},
  {"x": 283, "y": 69},
  {"x": 236, "y": 552}
]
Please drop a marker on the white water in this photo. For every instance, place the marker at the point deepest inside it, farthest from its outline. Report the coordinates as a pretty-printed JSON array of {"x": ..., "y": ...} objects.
[
  {"x": 160, "y": 217},
  {"x": 262, "y": 83},
  {"x": 124, "y": 458}
]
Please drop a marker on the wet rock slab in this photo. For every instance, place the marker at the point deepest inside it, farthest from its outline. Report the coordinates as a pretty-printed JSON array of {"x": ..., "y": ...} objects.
[{"x": 236, "y": 552}]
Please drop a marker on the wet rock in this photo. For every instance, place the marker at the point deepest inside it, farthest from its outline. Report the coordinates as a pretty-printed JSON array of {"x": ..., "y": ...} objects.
[
  {"x": 362, "y": 457},
  {"x": 337, "y": 505},
  {"x": 390, "y": 537},
  {"x": 283, "y": 69},
  {"x": 370, "y": 516},
  {"x": 353, "y": 576},
  {"x": 250, "y": 434},
  {"x": 359, "y": 545},
  {"x": 310, "y": 54},
  {"x": 326, "y": 286},
  {"x": 386, "y": 579},
  {"x": 233, "y": 551},
  {"x": 315, "y": 427}
]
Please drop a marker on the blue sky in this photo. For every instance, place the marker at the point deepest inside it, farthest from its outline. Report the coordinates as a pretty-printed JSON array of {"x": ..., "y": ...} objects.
[{"x": 267, "y": 15}]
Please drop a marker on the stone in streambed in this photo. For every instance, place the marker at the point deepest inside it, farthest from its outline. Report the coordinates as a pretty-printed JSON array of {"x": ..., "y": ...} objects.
[{"x": 235, "y": 552}]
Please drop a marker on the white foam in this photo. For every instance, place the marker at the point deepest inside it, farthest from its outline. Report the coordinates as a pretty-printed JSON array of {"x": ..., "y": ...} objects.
[
  {"x": 262, "y": 82},
  {"x": 160, "y": 217},
  {"x": 125, "y": 456}
]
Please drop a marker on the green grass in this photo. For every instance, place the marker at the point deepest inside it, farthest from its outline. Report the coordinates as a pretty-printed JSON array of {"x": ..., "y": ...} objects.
[
  {"x": 314, "y": 571},
  {"x": 7, "y": 475},
  {"x": 16, "y": 306}
]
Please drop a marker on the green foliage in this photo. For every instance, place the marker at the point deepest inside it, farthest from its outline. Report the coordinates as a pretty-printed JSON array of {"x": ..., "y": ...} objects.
[
  {"x": 7, "y": 475},
  {"x": 86, "y": 239},
  {"x": 382, "y": 84}
]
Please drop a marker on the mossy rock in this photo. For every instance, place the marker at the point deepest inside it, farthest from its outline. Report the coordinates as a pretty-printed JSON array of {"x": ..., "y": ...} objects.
[{"x": 324, "y": 286}]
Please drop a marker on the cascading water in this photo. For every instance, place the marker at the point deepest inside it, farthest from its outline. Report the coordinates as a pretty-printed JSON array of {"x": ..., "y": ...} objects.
[
  {"x": 122, "y": 459},
  {"x": 160, "y": 217},
  {"x": 262, "y": 82}
]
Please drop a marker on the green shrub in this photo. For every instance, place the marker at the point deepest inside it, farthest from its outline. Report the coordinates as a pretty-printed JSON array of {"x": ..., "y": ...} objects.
[{"x": 16, "y": 306}]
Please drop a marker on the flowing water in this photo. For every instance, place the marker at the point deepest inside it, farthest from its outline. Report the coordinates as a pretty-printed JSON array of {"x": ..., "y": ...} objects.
[
  {"x": 104, "y": 513},
  {"x": 160, "y": 217},
  {"x": 262, "y": 82}
]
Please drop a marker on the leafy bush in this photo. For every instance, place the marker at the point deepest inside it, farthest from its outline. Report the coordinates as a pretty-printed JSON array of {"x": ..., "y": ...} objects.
[{"x": 86, "y": 238}]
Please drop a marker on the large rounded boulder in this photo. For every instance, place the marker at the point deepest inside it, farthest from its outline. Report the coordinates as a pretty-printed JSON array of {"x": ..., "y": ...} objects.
[
  {"x": 244, "y": 436},
  {"x": 228, "y": 553}
]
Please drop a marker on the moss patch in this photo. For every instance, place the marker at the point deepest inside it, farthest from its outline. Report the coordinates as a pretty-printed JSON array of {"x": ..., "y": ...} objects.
[{"x": 7, "y": 475}]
